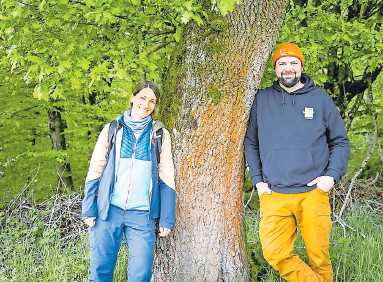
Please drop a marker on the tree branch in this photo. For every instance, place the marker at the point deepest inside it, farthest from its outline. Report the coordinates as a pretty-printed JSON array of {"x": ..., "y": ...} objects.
[
  {"x": 354, "y": 110},
  {"x": 77, "y": 2},
  {"x": 160, "y": 46},
  {"x": 370, "y": 150},
  {"x": 357, "y": 86},
  {"x": 27, "y": 4}
]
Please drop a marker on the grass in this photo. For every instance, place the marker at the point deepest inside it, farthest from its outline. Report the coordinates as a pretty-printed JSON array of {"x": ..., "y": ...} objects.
[{"x": 31, "y": 252}]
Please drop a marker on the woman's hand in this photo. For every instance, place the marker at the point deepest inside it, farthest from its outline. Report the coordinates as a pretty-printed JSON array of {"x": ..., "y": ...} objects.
[
  {"x": 163, "y": 232},
  {"x": 90, "y": 221}
]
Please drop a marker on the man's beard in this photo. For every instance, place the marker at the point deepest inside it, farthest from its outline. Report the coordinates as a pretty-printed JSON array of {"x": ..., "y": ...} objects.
[{"x": 289, "y": 82}]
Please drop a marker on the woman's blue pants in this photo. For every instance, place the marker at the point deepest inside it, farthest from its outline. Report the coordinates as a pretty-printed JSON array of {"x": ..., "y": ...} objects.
[{"x": 137, "y": 229}]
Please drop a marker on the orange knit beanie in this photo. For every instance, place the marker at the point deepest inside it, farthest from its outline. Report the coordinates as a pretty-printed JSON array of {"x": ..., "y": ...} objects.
[{"x": 287, "y": 49}]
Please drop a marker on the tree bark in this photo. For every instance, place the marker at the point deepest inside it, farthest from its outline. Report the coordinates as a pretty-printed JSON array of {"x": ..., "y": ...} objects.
[
  {"x": 56, "y": 133},
  {"x": 209, "y": 91}
]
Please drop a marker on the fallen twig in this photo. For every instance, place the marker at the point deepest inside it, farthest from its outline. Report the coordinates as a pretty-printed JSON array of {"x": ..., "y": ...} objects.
[{"x": 250, "y": 197}]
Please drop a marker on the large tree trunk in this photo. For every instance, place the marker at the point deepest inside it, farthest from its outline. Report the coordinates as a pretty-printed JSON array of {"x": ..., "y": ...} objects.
[
  {"x": 211, "y": 87},
  {"x": 56, "y": 133}
]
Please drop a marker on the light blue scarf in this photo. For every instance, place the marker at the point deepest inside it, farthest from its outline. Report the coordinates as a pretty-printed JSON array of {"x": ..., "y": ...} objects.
[{"x": 137, "y": 126}]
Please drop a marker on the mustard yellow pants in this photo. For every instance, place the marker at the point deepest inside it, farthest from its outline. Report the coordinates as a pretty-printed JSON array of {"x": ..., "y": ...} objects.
[{"x": 281, "y": 216}]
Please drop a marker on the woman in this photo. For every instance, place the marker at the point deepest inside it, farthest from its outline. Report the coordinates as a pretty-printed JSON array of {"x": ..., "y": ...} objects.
[{"x": 129, "y": 188}]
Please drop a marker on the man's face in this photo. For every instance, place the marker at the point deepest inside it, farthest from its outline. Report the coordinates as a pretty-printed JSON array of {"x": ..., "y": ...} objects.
[{"x": 288, "y": 70}]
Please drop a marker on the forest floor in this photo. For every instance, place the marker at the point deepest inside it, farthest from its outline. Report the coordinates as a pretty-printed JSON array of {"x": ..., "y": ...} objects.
[{"x": 48, "y": 242}]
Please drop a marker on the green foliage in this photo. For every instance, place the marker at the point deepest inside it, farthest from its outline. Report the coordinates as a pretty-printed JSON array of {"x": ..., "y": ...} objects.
[
  {"x": 31, "y": 252},
  {"x": 218, "y": 25},
  {"x": 225, "y": 6},
  {"x": 361, "y": 134},
  {"x": 82, "y": 59},
  {"x": 330, "y": 32},
  {"x": 170, "y": 104},
  {"x": 215, "y": 94},
  {"x": 24, "y": 142},
  {"x": 342, "y": 37}
]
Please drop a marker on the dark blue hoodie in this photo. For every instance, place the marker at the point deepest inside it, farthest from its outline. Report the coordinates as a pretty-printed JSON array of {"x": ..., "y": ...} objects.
[{"x": 292, "y": 138}]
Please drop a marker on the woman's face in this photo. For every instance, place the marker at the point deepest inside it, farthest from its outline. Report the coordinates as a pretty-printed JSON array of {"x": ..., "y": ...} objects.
[{"x": 143, "y": 104}]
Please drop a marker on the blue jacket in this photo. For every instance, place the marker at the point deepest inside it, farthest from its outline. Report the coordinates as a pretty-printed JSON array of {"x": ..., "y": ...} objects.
[
  {"x": 292, "y": 138},
  {"x": 101, "y": 179}
]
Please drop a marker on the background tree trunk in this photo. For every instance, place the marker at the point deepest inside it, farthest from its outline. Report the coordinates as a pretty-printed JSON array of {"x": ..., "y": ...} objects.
[
  {"x": 56, "y": 132},
  {"x": 211, "y": 86}
]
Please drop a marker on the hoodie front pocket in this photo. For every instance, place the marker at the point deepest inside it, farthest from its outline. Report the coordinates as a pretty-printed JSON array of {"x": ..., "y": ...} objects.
[{"x": 289, "y": 167}]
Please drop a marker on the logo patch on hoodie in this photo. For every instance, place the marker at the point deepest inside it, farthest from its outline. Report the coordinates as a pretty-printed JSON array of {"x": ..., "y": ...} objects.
[{"x": 308, "y": 113}]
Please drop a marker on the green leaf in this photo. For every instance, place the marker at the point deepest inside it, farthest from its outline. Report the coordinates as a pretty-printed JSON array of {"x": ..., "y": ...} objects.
[
  {"x": 226, "y": 6},
  {"x": 84, "y": 64},
  {"x": 186, "y": 16},
  {"x": 41, "y": 92},
  {"x": 178, "y": 34}
]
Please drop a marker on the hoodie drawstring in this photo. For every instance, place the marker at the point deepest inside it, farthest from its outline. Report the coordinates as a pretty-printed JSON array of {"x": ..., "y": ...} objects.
[{"x": 284, "y": 97}]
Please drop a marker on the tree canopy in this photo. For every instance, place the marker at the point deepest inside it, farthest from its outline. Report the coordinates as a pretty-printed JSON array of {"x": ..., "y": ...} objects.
[{"x": 78, "y": 61}]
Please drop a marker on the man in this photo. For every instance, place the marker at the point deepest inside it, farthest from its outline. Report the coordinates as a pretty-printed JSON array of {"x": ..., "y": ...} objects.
[{"x": 296, "y": 147}]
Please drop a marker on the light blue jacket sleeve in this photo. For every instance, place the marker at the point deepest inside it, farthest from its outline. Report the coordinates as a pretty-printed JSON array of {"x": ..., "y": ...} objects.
[
  {"x": 167, "y": 184},
  {"x": 96, "y": 168},
  {"x": 89, "y": 202},
  {"x": 168, "y": 206}
]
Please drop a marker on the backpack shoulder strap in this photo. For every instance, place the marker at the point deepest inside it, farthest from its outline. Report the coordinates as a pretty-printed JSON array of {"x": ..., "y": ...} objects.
[
  {"x": 158, "y": 138},
  {"x": 111, "y": 134},
  {"x": 158, "y": 141}
]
